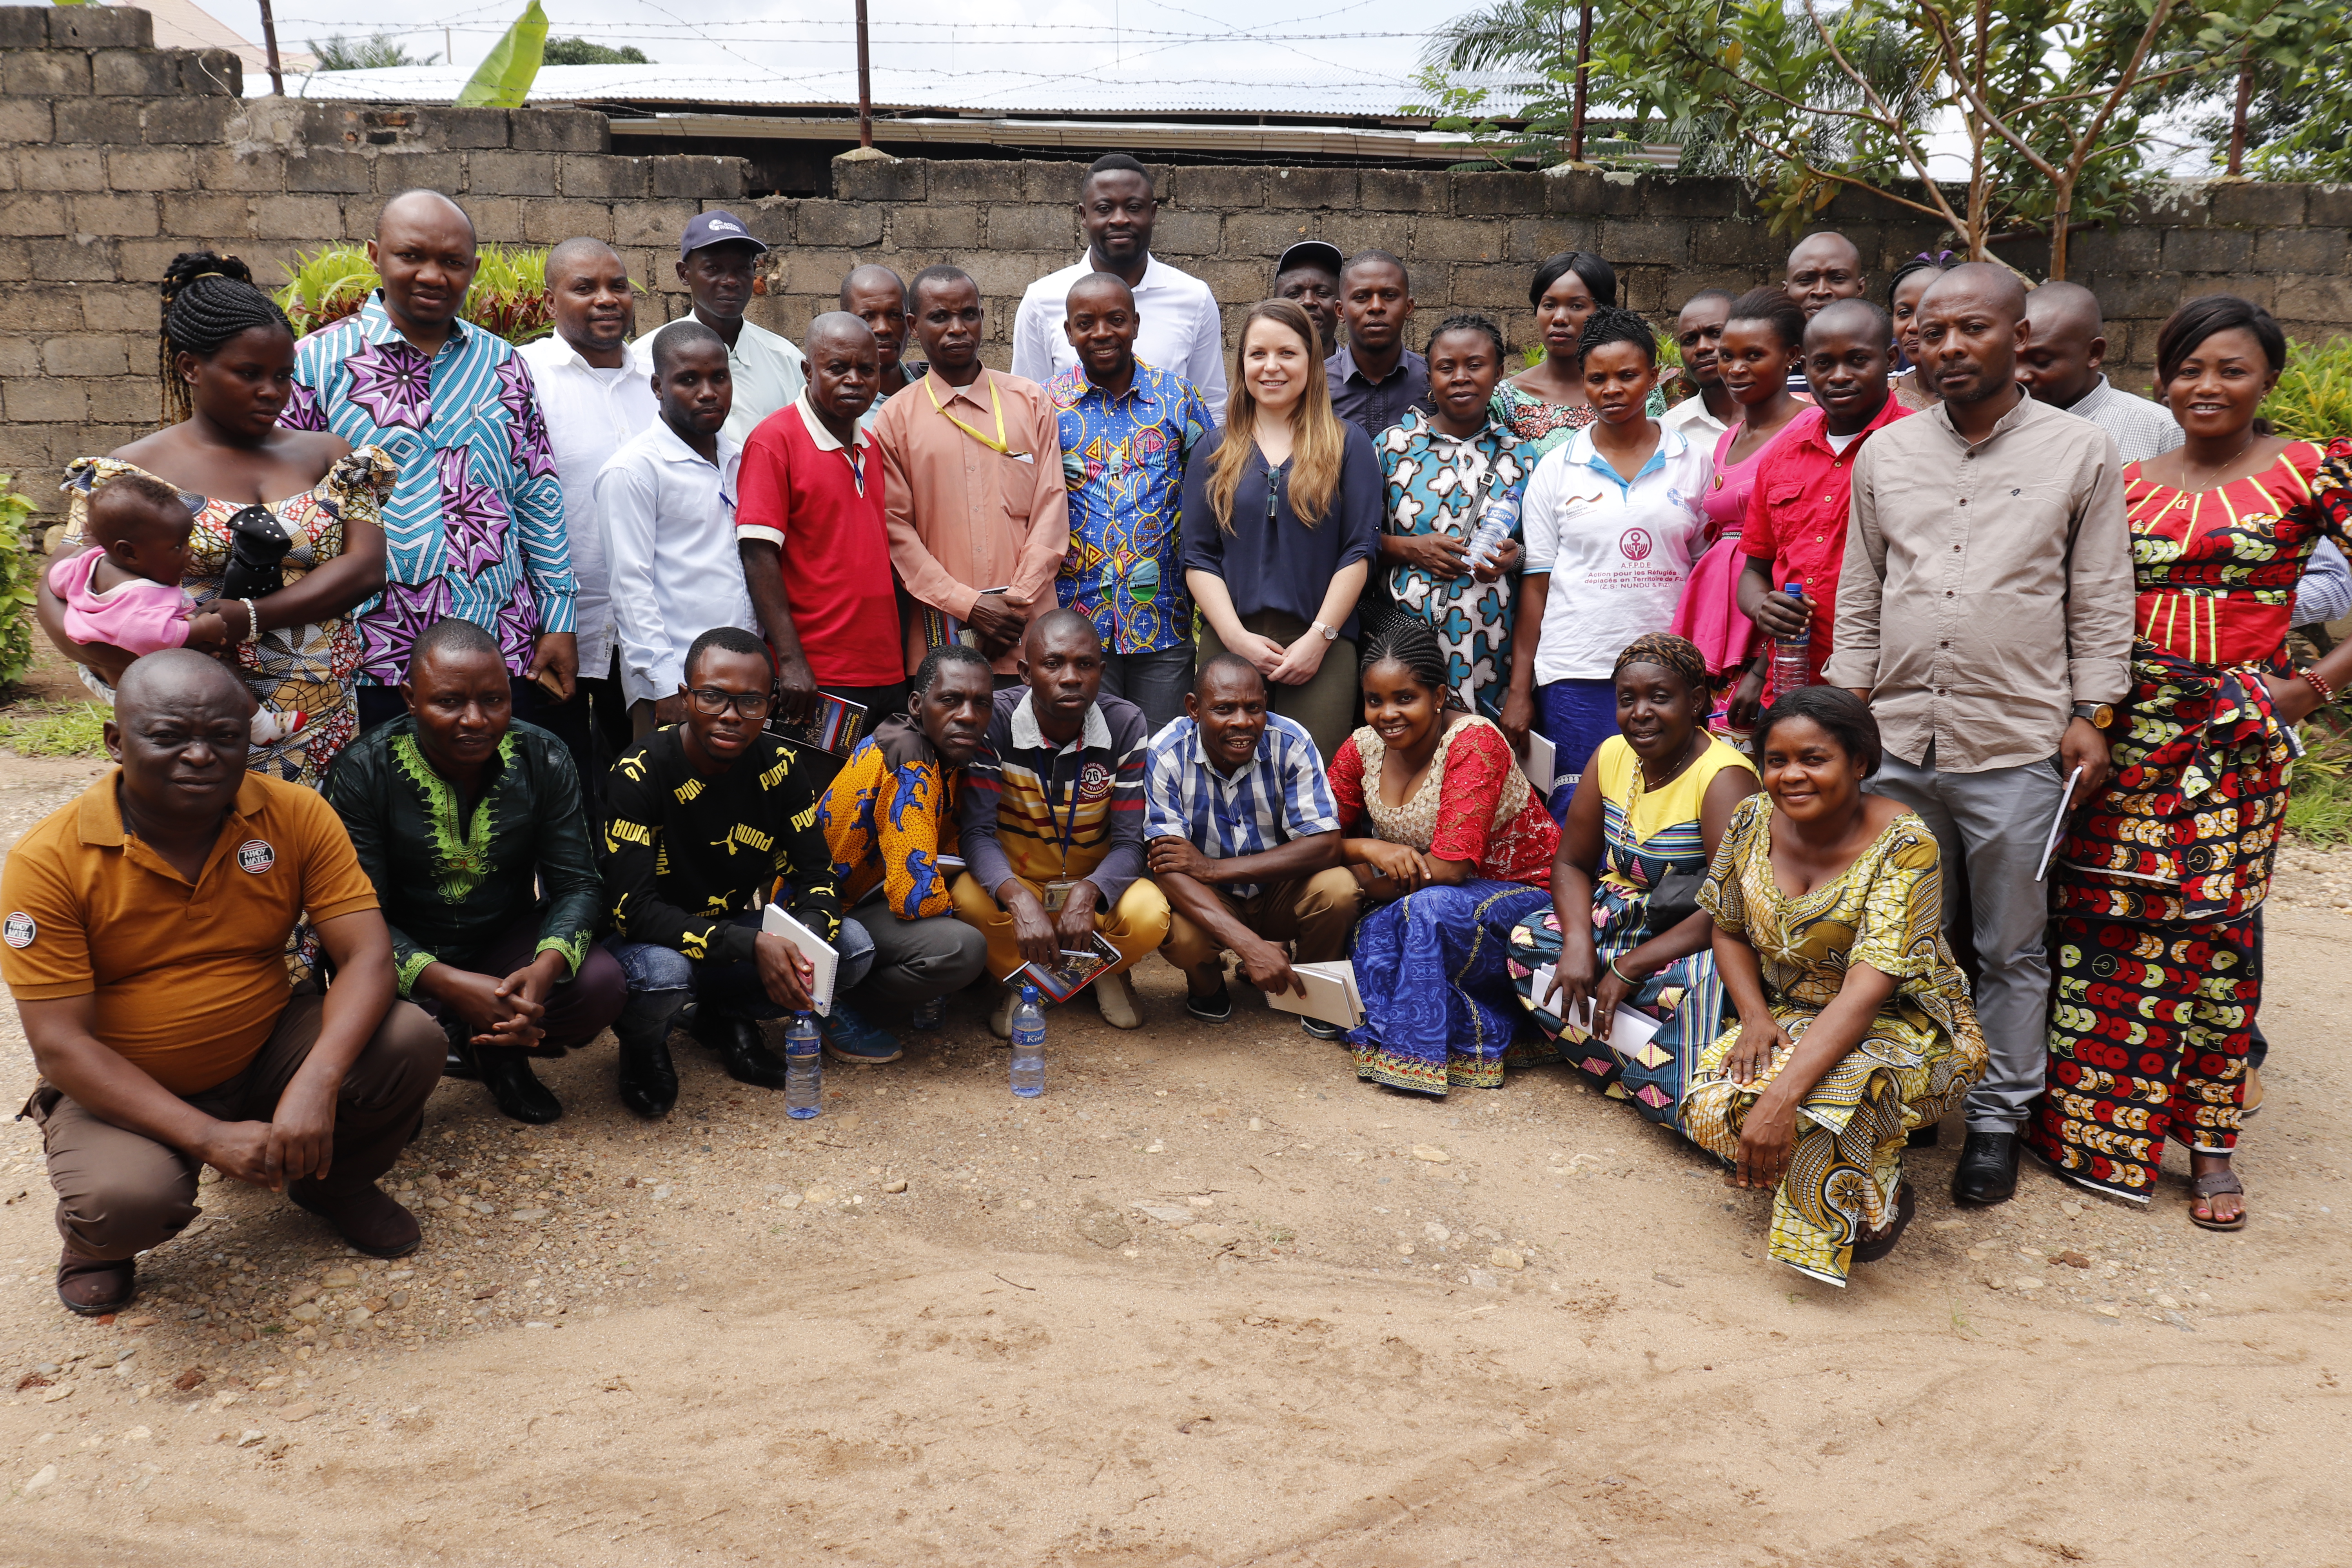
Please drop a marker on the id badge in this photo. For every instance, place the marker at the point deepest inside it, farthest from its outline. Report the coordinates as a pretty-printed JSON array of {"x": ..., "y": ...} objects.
[{"x": 1058, "y": 896}]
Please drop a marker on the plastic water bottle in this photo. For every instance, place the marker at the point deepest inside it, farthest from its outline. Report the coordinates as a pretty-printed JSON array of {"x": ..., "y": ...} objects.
[
  {"x": 804, "y": 1068},
  {"x": 1496, "y": 518},
  {"x": 1792, "y": 657},
  {"x": 1028, "y": 1045}
]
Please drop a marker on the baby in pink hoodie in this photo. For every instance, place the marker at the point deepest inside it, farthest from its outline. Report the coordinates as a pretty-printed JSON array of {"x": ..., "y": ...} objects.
[{"x": 125, "y": 588}]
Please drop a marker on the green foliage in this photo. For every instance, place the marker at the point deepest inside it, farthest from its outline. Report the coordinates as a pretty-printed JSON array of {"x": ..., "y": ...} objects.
[
  {"x": 509, "y": 296},
  {"x": 503, "y": 78},
  {"x": 79, "y": 731},
  {"x": 581, "y": 52},
  {"x": 2313, "y": 399},
  {"x": 2319, "y": 804},
  {"x": 20, "y": 566},
  {"x": 370, "y": 53}
]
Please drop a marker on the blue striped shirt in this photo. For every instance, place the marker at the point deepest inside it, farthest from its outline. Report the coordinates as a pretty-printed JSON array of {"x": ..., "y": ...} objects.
[
  {"x": 1280, "y": 795},
  {"x": 474, "y": 525}
]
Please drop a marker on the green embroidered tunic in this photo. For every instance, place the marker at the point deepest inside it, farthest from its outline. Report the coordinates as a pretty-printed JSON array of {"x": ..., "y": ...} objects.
[{"x": 453, "y": 881}]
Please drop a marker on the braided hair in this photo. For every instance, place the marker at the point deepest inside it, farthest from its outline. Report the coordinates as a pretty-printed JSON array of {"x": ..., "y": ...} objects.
[
  {"x": 208, "y": 298},
  {"x": 1411, "y": 642},
  {"x": 1612, "y": 324}
]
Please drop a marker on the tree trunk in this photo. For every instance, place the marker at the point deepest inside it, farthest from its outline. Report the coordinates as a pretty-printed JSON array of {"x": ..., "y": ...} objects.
[{"x": 2237, "y": 119}]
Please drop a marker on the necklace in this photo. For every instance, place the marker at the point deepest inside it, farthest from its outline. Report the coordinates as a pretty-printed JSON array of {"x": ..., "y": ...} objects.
[
  {"x": 2189, "y": 489},
  {"x": 1682, "y": 761}
]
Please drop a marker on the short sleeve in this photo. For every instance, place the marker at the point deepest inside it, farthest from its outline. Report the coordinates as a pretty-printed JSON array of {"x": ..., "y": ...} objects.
[
  {"x": 1903, "y": 905},
  {"x": 333, "y": 883},
  {"x": 1539, "y": 512},
  {"x": 762, "y": 488},
  {"x": 46, "y": 951},
  {"x": 1477, "y": 762},
  {"x": 1757, "y": 539},
  {"x": 1306, "y": 803},
  {"x": 1722, "y": 894},
  {"x": 1347, "y": 778}
]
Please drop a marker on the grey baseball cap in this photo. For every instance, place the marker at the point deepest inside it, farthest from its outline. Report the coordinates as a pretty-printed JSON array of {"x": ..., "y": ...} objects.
[
  {"x": 718, "y": 227},
  {"x": 1311, "y": 253}
]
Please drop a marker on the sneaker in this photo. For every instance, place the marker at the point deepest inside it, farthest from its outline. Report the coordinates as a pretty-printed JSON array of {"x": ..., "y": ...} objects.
[
  {"x": 1000, "y": 1017},
  {"x": 1321, "y": 1030},
  {"x": 1116, "y": 998},
  {"x": 850, "y": 1038},
  {"x": 927, "y": 1015},
  {"x": 1216, "y": 1008}
]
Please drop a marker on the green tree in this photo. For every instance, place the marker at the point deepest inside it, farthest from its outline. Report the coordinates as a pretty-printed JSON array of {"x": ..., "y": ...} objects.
[
  {"x": 379, "y": 49},
  {"x": 581, "y": 52}
]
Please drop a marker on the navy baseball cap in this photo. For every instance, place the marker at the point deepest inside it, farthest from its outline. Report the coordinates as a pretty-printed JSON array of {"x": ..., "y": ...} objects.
[
  {"x": 1311, "y": 253},
  {"x": 718, "y": 227}
]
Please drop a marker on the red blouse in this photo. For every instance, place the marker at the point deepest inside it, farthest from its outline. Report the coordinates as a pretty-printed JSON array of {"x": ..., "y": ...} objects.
[
  {"x": 2216, "y": 570},
  {"x": 1481, "y": 809}
]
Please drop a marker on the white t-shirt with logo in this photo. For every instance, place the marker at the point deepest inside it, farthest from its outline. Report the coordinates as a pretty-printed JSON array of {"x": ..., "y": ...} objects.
[{"x": 1618, "y": 553}]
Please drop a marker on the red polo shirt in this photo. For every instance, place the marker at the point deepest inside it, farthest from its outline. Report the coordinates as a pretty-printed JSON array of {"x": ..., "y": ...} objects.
[
  {"x": 1797, "y": 513},
  {"x": 821, "y": 504}
]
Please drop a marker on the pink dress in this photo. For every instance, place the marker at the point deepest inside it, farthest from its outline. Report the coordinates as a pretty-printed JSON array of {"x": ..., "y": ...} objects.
[
  {"x": 1709, "y": 613},
  {"x": 137, "y": 616}
]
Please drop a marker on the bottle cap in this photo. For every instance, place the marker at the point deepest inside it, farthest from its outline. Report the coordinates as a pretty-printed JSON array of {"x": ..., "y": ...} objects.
[{"x": 1795, "y": 588}]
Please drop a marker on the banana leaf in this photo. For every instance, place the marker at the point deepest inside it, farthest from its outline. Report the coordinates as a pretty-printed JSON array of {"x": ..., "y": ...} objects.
[{"x": 503, "y": 78}]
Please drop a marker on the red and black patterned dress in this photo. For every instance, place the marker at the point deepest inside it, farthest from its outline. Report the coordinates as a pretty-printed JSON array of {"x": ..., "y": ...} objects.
[{"x": 2158, "y": 972}]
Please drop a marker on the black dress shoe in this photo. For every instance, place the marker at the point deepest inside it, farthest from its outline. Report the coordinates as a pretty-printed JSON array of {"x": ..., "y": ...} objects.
[
  {"x": 507, "y": 1076},
  {"x": 742, "y": 1052},
  {"x": 1987, "y": 1172},
  {"x": 460, "y": 1063},
  {"x": 648, "y": 1081}
]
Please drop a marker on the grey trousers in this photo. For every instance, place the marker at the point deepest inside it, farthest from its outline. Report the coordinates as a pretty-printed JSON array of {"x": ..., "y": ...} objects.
[
  {"x": 1155, "y": 682},
  {"x": 915, "y": 961},
  {"x": 1994, "y": 822}
]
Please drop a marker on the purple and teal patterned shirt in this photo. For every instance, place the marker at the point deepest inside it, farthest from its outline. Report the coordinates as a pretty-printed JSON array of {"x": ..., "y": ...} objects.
[
  {"x": 474, "y": 525},
  {"x": 1123, "y": 460}
]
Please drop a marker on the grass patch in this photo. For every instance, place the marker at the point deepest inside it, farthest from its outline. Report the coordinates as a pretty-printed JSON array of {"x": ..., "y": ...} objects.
[
  {"x": 2319, "y": 807},
  {"x": 79, "y": 731}
]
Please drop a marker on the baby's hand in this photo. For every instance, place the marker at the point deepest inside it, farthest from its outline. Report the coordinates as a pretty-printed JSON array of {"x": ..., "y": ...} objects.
[{"x": 207, "y": 632}]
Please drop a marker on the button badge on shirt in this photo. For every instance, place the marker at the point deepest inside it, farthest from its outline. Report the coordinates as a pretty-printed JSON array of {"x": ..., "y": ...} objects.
[{"x": 255, "y": 855}]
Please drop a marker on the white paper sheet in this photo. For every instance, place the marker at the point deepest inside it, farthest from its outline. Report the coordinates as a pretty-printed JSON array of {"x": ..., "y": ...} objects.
[
  {"x": 1537, "y": 766},
  {"x": 1628, "y": 1031},
  {"x": 2058, "y": 824},
  {"x": 823, "y": 959}
]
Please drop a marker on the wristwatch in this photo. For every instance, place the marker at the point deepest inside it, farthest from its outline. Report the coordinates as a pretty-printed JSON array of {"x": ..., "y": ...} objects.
[
  {"x": 2098, "y": 715},
  {"x": 1330, "y": 634}
]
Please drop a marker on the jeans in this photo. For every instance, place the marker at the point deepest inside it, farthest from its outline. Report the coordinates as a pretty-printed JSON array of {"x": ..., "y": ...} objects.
[
  {"x": 1155, "y": 682},
  {"x": 662, "y": 980}
]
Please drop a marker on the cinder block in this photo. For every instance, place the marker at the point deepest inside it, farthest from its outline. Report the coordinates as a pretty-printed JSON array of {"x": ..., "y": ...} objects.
[
  {"x": 150, "y": 169},
  {"x": 1004, "y": 274},
  {"x": 1047, "y": 228},
  {"x": 461, "y": 129},
  {"x": 1685, "y": 197},
  {"x": 2258, "y": 206},
  {"x": 1441, "y": 239},
  {"x": 37, "y": 306},
  {"x": 2185, "y": 205},
  {"x": 398, "y": 172},
  {"x": 27, "y": 119},
  {"x": 2151, "y": 293},
  {"x": 1591, "y": 193},
  {"x": 2287, "y": 250},
  {"x": 1492, "y": 288},
  {"x": 128, "y": 400},
  {"x": 1720, "y": 244},
  {"x": 2114, "y": 250},
  {"x": 1658, "y": 241},
  {"x": 1532, "y": 240},
  {"x": 86, "y": 353},
  {"x": 559, "y": 131},
  {"x": 683, "y": 176},
  {"x": 35, "y": 212},
  {"x": 101, "y": 28},
  {"x": 497, "y": 220},
  {"x": 44, "y": 73},
  {"x": 133, "y": 73},
  {"x": 2315, "y": 299},
  {"x": 132, "y": 308},
  {"x": 143, "y": 260},
  {"x": 331, "y": 171},
  {"x": 1647, "y": 290},
  {"x": 2208, "y": 250},
  {"x": 1510, "y": 196},
  {"x": 978, "y": 180},
  {"x": 930, "y": 227},
  {"x": 1235, "y": 282},
  {"x": 2328, "y": 206},
  {"x": 60, "y": 169},
  {"x": 212, "y": 71},
  {"x": 655, "y": 225},
  {"x": 20, "y": 356},
  {"x": 511, "y": 173},
  {"x": 1404, "y": 190},
  {"x": 1049, "y": 181},
  {"x": 1183, "y": 232},
  {"x": 179, "y": 122},
  {"x": 1304, "y": 188},
  {"x": 551, "y": 223},
  {"x": 129, "y": 216},
  {"x": 106, "y": 121},
  {"x": 1223, "y": 190},
  {"x": 46, "y": 402},
  {"x": 16, "y": 260},
  {"x": 606, "y": 178},
  {"x": 313, "y": 219},
  {"x": 872, "y": 180},
  {"x": 814, "y": 270},
  {"x": 1267, "y": 235},
  {"x": 25, "y": 26}
]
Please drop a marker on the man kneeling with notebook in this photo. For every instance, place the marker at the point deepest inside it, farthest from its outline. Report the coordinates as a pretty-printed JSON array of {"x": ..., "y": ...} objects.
[
  {"x": 1053, "y": 823},
  {"x": 702, "y": 819}
]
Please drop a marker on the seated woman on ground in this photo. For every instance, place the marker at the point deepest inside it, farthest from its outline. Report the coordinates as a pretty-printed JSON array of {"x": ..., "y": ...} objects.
[
  {"x": 1460, "y": 847},
  {"x": 1624, "y": 929},
  {"x": 1854, "y": 1024}
]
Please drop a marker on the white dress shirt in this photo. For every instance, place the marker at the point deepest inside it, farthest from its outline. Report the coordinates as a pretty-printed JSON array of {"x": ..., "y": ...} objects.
[
  {"x": 1179, "y": 328},
  {"x": 1692, "y": 418},
  {"x": 768, "y": 372},
  {"x": 1618, "y": 553},
  {"x": 591, "y": 415},
  {"x": 668, "y": 521}
]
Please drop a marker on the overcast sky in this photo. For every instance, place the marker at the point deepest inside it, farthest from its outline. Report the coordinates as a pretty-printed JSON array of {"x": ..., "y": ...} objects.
[{"x": 1289, "y": 46}]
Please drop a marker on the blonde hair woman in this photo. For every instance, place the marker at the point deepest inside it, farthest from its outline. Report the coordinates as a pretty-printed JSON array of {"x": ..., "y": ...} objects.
[{"x": 1282, "y": 518}]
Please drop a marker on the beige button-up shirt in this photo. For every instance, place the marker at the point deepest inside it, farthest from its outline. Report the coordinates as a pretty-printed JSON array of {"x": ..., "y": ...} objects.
[
  {"x": 1986, "y": 589},
  {"x": 964, "y": 517}
]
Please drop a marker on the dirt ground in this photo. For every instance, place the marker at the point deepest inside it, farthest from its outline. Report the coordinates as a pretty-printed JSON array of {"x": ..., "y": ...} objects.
[{"x": 1209, "y": 1301}]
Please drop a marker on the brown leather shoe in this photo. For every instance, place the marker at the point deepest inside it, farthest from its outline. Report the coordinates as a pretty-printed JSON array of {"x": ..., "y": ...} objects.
[
  {"x": 370, "y": 1219},
  {"x": 93, "y": 1287}
]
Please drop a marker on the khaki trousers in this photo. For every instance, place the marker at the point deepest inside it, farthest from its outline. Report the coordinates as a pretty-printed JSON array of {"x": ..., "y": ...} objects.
[
  {"x": 1136, "y": 925},
  {"x": 1314, "y": 913},
  {"x": 1330, "y": 705},
  {"x": 121, "y": 1193}
]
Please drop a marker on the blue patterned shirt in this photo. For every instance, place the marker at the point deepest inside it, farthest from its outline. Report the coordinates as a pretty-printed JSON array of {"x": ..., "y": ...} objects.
[
  {"x": 1283, "y": 793},
  {"x": 1432, "y": 478},
  {"x": 1123, "y": 459},
  {"x": 474, "y": 525}
]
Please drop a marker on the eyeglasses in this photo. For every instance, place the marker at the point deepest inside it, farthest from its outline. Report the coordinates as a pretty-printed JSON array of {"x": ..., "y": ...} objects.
[{"x": 710, "y": 700}]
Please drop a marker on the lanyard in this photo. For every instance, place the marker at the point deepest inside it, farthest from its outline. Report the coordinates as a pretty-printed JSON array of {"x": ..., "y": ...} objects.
[
  {"x": 1071, "y": 832},
  {"x": 996, "y": 405},
  {"x": 856, "y": 463}
]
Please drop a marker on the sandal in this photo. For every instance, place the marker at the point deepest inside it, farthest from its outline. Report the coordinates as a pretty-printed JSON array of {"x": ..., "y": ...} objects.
[
  {"x": 2213, "y": 1184},
  {"x": 2253, "y": 1096},
  {"x": 1870, "y": 1249}
]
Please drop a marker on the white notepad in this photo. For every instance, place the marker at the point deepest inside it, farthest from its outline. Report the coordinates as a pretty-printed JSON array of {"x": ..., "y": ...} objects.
[
  {"x": 2057, "y": 824},
  {"x": 1330, "y": 993},
  {"x": 823, "y": 959},
  {"x": 1538, "y": 765},
  {"x": 1628, "y": 1031}
]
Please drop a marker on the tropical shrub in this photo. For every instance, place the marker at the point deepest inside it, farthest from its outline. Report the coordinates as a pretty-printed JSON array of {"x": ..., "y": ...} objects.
[
  {"x": 2313, "y": 399},
  {"x": 20, "y": 565},
  {"x": 509, "y": 296}
]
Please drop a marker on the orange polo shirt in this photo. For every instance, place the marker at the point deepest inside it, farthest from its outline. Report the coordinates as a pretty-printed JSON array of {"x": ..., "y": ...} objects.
[{"x": 189, "y": 979}]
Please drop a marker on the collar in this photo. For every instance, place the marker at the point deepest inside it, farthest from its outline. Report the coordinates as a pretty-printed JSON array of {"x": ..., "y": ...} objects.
[
  {"x": 2026, "y": 409},
  {"x": 815, "y": 426},
  {"x": 375, "y": 325},
  {"x": 1155, "y": 276},
  {"x": 976, "y": 394},
  {"x": 99, "y": 820},
  {"x": 671, "y": 448},
  {"x": 1262, "y": 757},
  {"x": 560, "y": 354},
  {"x": 902, "y": 742},
  {"x": 1580, "y": 449},
  {"x": 1135, "y": 385},
  {"x": 1094, "y": 735},
  {"x": 2092, "y": 398},
  {"x": 1814, "y": 425},
  {"x": 1422, "y": 423},
  {"x": 1342, "y": 367}
]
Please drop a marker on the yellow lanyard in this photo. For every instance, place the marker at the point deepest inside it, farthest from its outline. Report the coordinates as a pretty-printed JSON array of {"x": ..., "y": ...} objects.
[{"x": 995, "y": 405}]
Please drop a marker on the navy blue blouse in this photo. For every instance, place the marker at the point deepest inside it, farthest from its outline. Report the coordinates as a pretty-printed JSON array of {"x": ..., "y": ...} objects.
[{"x": 1272, "y": 561}]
